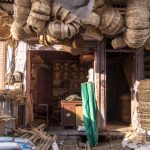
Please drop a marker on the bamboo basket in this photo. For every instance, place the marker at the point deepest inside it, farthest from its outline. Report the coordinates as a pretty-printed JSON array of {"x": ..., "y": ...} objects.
[
  {"x": 17, "y": 31},
  {"x": 93, "y": 32},
  {"x": 39, "y": 16},
  {"x": 23, "y": 3},
  {"x": 93, "y": 19},
  {"x": 137, "y": 23},
  {"x": 140, "y": 12},
  {"x": 144, "y": 85},
  {"x": 111, "y": 22},
  {"x": 37, "y": 25},
  {"x": 118, "y": 43},
  {"x": 41, "y": 8}
]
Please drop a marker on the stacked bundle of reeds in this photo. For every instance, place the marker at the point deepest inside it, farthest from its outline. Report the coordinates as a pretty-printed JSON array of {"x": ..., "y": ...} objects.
[{"x": 144, "y": 103}]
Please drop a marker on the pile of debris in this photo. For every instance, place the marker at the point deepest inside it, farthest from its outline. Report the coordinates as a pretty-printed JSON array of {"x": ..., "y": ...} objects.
[
  {"x": 41, "y": 139},
  {"x": 12, "y": 95}
]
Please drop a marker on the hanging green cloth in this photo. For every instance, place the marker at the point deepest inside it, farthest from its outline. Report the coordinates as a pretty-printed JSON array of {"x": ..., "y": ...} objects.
[{"x": 89, "y": 107}]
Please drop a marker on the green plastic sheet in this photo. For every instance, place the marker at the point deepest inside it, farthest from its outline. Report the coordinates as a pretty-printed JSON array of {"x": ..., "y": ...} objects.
[{"x": 89, "y": 107}]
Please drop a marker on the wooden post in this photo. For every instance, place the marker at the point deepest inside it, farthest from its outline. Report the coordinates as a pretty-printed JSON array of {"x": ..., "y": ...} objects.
[
  {"x": 100, "y": 81},
  {"x": 138, "y": 71}
]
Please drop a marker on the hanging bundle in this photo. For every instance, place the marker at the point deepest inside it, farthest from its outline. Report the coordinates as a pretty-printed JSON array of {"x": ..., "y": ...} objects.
[
  {"x": 111, "y": 22},
  {"x": 66, "y": 25},
  {"x": 118, "y": 43},
  {"x": 137, "y": 23}
]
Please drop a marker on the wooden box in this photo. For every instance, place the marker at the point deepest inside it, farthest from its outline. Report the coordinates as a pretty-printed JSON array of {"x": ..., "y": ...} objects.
[{"x": 68, "y": 113}]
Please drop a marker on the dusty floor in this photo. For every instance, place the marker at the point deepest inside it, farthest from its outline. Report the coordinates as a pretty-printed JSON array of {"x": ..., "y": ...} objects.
[{"x": 116, "y": 145}]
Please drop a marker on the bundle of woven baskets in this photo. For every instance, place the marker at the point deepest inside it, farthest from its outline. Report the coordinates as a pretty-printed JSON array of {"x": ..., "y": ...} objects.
[
  {"x": 137, "y": 23},
  {"x": 144, "y": 103},
  {"x": 126, "y": 108}
]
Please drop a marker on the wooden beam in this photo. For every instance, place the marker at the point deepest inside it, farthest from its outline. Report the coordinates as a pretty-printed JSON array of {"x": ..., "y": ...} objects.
[{"x": 100, "y": 81}]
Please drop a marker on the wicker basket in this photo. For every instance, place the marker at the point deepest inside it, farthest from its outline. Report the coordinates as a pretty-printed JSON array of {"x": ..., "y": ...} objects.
[
  {"x": 37, "y": 25},
  {"x": 41, "y": 8},
  {"x": 23, "y": 3},
  {"x": 118, "y": 43},
  {"x": 93, "y": 32},
  {"x": 39, "y": 16},
  {"x": 144, "y": 85},
  {"x": 17, "y": 31},
  {"x": 137, "y": 23},
  {"x": 111, "y": 22},
  {"x": 93, "y": 19},
  {"x": 54, "y": 29}
]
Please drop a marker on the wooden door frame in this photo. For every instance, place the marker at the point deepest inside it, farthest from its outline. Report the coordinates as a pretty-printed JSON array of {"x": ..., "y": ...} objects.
[{"x": 100, "y": 82}]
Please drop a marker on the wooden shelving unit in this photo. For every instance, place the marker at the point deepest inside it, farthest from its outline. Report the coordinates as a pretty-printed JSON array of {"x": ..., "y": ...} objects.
[{"x": 67, "y": 78}]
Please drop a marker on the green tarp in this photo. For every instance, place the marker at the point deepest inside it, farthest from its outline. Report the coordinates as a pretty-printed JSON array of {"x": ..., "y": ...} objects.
[{"x": 90, "y": 112}]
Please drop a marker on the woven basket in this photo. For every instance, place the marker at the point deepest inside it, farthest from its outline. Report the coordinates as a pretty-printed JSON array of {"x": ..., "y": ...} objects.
[
  {"x": 20, "y": 13},
  {"x": 139, "y": 12},
  {"x": 144, "y": 85},
  {"x": 118, "y": 43},
  {"x": 137, "y": 23},
  {"x": 107, "y": 18},
  {"x": 93, "y": 32},
  {"x": 41, "y": 8},
  {"x": 23, "y": 3},
  {"x": 93, "y": 19},
  {"x": 17, "y": 31},
  {"x": 138, "y": 3},
  {"x": 112, "y": 26},
  {"x": 39, "y": 16},
  {"x": 136, "y": 38},
  {"x": 37, "y": 25},
  {"x": 54, "y": 29}
]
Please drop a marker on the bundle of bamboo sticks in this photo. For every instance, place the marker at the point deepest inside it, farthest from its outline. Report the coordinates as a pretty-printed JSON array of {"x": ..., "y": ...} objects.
[{"x": 41, "y": 139}]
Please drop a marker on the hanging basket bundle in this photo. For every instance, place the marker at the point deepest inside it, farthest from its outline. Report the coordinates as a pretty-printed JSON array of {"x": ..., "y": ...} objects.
[
  {"x": 41, "y": 8},
  {"x": 137, "y": 23},
  {"x": 93, "y": 19},
  {"x": 136, "y": 38},
  {"x": 118, "y": 43},
  {"x": 93, "y": 32},
  {"x": 23, "y": 3},
  {"x": 17, "y": 31},
  {"x": 111, "y": 22},
  {"x": 20, "y": 13}
]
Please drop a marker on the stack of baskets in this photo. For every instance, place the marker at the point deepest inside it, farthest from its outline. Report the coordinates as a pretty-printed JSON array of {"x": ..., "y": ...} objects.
[
  {"x": 144, "y": 103},
  {"x": 126, "y": 108},
  {"x": 39, "y": 15},
  {"x": 111, "y": 22},
  {"x": 65, "y": 25},
  {"x": 137, "y": 23},
  {"x": 21, "y": 12}
]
